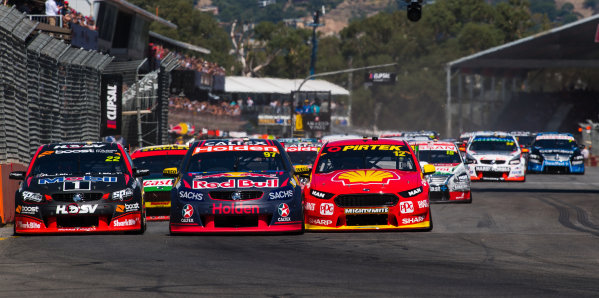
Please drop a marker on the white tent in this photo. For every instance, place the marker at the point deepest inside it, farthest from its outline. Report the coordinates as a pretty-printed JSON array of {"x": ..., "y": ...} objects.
[{"x": 279, "y": 86}]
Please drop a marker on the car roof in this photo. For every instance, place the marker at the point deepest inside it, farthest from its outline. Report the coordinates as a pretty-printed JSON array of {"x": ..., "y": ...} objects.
[{"x": 367, "y": 141}]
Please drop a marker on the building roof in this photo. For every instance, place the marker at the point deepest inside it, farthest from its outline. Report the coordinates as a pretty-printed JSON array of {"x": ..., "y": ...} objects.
[
  {"x": 279, "y": 86},
  {"x": 574, "y": 45},
  {"x": 180, "y": 44}
]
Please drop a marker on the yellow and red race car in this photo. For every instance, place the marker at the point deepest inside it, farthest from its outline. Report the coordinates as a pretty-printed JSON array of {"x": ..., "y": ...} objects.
[
  {"x": 157, "y": 188},
  {"x": 367, "y": 184}
]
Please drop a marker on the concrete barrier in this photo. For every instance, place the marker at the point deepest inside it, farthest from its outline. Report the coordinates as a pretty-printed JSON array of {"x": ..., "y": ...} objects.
[{"x": 7, "y": 191}]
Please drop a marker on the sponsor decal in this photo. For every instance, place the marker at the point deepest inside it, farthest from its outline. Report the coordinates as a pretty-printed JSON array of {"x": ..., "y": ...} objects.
[
  {"x": 235, "y": 142},
  {"x": 310, "y": 206},
  {"x": 84, "y": 178},
  {"x": 32, "y": 197},
  {"x": 554, "y": 137},
  {"x": 414, "y": 192},
  {"x": 283, "y": 210},
  {"x": 366, "y": 210},
  {"x": 45, "y": 153},
  {"x": 205, "y": 149},
  {"x": 318, "y": 194},
  {"x": 28, "y": 225},
  {"x": 327, "y": 209},
  {"x": 27, "y": 209},
  {"x": 365, "y": 177},
  {"x": 187, "y": 211},
  {"x": 236, "y": 174},
  {"x": 406, "y": 207},
  {"x": 398, "y": 148},
  {"x": 74, "y": 151},
  {"x": 76, "y": 185},
  {"x": 163, "y": 148},
  {"x": 122, "y": 195},
  {"x": 76, "y": 209},
  {"x": 423, "y": 204},
  {"x": 125, "y": 223},
  {"x": 283, "y": 194},
  {"x": 412, "y": 220},
  {"x": 301, "y": 149},
  {"x": 190, "y": 195},
  {"x": 111, "y": 104},
  {"x": 235, "y": 209},
  {"x": 78, "y": 146},
  {"x": 131, "y": 207},
  {"x": 446, "y": 147},
  {"x": 239, "y": 183},
  {"x": 158, "y": 182},
  {"x": 318, "y": 221}
]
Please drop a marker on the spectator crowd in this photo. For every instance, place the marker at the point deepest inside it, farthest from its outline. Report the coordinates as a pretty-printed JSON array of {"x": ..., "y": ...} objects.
[
  {"x": 187, "y": 61},
  {"x": 53, "y": 9},
  {"x": 222, "y": 108}
]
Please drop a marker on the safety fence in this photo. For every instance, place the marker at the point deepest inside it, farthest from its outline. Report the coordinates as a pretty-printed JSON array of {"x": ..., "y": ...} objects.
[{"x": 49, "y": 91}]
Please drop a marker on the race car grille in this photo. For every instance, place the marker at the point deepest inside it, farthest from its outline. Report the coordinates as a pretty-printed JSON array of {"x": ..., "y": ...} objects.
[
  {"x": 366, "y": 200},
  {"x": 228, "y": 195},
  {"x": 366, "y": 219},
  {"x": 157, "y": 196},
  {"x": 438, "y": 179},
  {"x": 76, "y": 221},
  {"x": 243, "y": 221},
  {"x": 493, "y": 174},
  {"x": 556, "y": 169},
  {"x": 70, "y": 197},
  {"x": 490, "y": 162}
]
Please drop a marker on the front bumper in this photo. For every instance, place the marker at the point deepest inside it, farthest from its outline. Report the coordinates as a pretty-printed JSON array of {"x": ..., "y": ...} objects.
[
  {"x": 548, "y": 166},
  {"x": 497, "y": 172}
]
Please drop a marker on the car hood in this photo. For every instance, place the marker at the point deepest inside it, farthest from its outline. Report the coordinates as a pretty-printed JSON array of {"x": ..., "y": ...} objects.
[
  {"x": 364, "y": 181},
  {"x": 494, "y": 155},
  {"x": 87, "y": 183}
]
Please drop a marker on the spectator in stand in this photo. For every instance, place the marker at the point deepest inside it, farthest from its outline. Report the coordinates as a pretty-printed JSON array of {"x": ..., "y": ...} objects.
[
  {"x": 65, "y": 8},
  {"x": 307, "y": 108},
  {"x": 52, "y": 10}
]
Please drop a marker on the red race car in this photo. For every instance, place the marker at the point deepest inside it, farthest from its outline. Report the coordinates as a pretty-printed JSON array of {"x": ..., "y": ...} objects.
[
  {"x": 157, "y": 188},
  {"x": 367, "y": 184}
]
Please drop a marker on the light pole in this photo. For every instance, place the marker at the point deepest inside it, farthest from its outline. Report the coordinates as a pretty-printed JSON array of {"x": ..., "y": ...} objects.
[{"x": 330, "y": 73}]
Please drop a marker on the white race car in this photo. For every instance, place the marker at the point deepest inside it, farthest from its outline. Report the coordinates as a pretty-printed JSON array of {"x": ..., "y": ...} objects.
[{"x": 495, "y": 157}]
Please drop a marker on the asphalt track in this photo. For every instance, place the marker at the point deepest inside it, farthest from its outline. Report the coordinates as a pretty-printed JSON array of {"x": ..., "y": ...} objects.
[{"x": 534, "y": 239}]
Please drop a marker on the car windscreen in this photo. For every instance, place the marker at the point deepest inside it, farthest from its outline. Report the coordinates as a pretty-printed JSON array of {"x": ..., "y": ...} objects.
[
  {"x": 439, "y": 156},
  {"x": 54, "y": 162},
  {"x": 493, "y": 144},
  {"x": 352, "y": 157},
  {"x": 156, "y": 164},
  {"x": 302, "y": 158},
  {"x": 236, "y": 161},
  {"x": 555, "y": 144}
]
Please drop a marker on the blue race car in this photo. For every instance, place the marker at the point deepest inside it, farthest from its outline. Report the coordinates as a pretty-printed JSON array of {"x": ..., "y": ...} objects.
[{"x": 555, "y": 153}]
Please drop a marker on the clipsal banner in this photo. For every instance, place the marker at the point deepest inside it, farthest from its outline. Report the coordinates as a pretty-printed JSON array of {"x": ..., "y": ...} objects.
[{"x": 111, "y": 96}]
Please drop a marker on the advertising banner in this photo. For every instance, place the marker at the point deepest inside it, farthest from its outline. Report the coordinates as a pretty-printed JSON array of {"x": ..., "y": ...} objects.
[{"x": 111, "y": 97}]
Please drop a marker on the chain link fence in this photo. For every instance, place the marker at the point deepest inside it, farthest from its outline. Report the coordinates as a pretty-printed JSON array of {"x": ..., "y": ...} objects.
[{"x": 49, "y": 91}]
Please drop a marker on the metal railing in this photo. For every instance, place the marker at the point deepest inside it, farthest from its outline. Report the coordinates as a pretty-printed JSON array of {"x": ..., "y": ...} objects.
[{"x": 50, "y": 20}]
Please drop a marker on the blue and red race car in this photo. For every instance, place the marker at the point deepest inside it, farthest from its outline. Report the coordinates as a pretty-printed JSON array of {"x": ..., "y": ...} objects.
[
  {"x": 235, "y": 185},
  {"x": 77, "y": 188},
  {"x": 367, "y": 184}
]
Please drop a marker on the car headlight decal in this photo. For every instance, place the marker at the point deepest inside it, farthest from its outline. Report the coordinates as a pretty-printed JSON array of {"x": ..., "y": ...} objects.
[{"x": 320, "y": 194}]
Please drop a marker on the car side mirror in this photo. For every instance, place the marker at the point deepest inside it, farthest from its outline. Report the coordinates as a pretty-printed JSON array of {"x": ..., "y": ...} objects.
[
  {"x": 468, "y": 161},
  {"x": 428, "y": 169},
  {"x": 17, "y": 175},
  {"x": 141, "y": 172},
  {"x": 170, "y": 172}
]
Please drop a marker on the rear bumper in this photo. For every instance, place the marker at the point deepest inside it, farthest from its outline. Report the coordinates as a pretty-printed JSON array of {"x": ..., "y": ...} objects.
[
  {"x": 181, "y": 228},
  {"x": 425, "y": 225}
]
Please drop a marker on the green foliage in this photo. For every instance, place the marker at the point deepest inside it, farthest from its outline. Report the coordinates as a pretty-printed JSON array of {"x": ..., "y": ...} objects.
[
  {"x": 194, "y": 27},
  {"x": 250, "y": 11}
]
